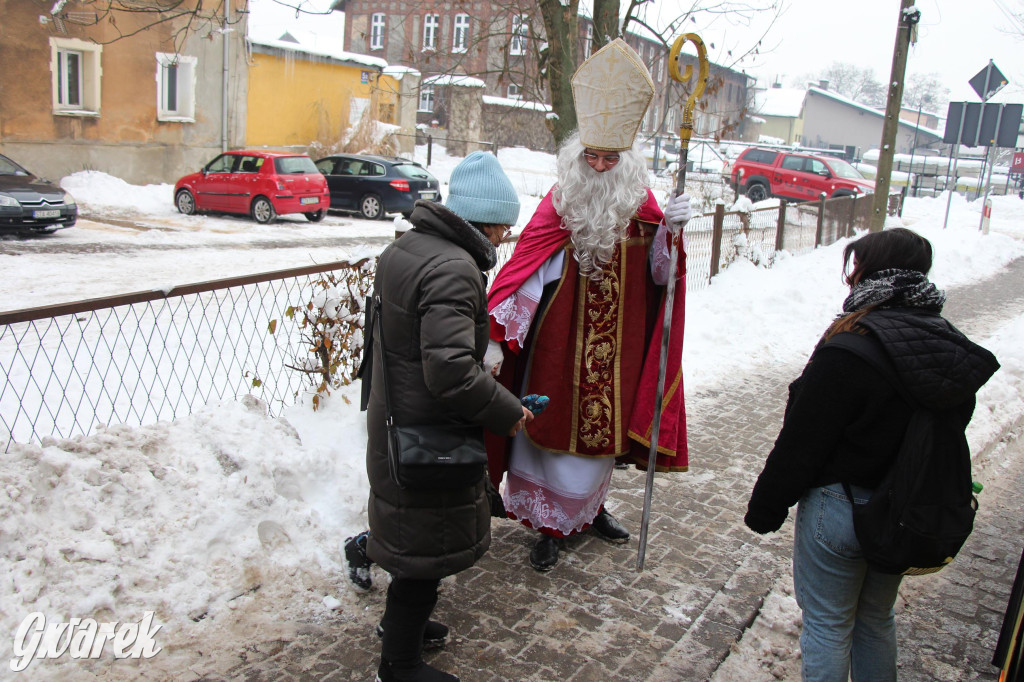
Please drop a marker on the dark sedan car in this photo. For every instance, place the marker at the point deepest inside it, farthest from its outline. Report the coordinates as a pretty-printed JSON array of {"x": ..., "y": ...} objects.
[
  {"x": 376, "y": 185},
  {"x": 31, "y": 204}
]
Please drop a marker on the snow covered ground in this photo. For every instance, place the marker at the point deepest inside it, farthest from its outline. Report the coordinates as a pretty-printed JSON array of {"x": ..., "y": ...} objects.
[{"x": 228, "y": 524}]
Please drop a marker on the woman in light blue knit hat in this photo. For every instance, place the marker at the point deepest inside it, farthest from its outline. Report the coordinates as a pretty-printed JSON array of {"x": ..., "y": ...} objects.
[{"x": 434, "y": 317}]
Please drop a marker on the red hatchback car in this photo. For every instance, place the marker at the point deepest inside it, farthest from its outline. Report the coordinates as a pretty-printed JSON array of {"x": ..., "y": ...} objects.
[{"x": 262, "y": 184}]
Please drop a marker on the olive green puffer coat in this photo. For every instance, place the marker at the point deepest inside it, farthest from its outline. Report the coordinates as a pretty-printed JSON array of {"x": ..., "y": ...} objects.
[{"x": 435, "y": 324}]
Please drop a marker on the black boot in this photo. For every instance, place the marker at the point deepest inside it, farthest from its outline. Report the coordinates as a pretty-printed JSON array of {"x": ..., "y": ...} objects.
[
  {"x": 358, "y": 563},
  {"x": 435, "y": 635},
  {"x": 420, "y": 672},
  {"x": 544, "y": 554},
  {"x": 610, "y": 529}
]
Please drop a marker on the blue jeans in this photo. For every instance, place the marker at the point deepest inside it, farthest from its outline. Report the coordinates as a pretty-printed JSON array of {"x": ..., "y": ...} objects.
[{"x": 847, "y": 606}]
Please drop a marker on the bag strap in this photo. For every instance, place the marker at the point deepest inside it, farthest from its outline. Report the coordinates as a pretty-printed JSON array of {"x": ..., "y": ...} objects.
[{"x": 378, "y": 326}]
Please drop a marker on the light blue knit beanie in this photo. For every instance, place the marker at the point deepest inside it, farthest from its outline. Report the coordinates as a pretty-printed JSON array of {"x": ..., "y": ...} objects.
[{"x": 480, "y": 192}]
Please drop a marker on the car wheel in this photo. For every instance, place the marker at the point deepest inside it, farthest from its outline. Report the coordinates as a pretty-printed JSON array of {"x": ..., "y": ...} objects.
[
  {"x": 262, "y": 210},
  {"x": 185, "y": 202},
  {"x": 315, "y": 216},
  {"x": 756, "y": 191},
  {"x": 370, "y": 207}
]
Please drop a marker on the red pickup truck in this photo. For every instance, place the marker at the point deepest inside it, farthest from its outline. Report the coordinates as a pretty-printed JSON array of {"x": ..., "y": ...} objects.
[{"x": 795, "y": 176}]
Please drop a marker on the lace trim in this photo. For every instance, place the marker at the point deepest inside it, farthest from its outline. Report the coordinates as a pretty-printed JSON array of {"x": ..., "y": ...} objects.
[
  {"x": 544, "y": 510},
  {"x": 516, "y": 313}
]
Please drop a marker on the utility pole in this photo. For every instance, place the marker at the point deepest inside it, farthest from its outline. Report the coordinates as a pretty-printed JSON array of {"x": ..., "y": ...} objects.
[{"x": 909, "y": 16}]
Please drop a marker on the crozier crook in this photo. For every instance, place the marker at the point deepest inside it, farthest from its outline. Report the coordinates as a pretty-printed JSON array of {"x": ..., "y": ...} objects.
[{"x": 685, "y": 132}]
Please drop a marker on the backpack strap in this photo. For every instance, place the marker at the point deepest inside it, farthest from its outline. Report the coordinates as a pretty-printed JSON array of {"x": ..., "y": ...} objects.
[{"x": 869, "y": 348}]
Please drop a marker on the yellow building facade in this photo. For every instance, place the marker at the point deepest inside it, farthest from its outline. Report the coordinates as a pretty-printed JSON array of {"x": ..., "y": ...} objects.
[{"x": 297, "y": 98}]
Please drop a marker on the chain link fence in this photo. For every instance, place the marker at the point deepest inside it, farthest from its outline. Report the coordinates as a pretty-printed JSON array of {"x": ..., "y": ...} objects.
[{"x": 157, "y": 355}]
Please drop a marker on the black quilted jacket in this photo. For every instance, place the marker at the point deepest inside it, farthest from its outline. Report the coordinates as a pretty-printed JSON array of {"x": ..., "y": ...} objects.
[
  {"x": 436, "y": 326},
  {"x": 844, "y": 421}
]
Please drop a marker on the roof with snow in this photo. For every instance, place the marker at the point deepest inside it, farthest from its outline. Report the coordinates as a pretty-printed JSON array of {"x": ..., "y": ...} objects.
[
  {"x": 516, "y": 103},
  {"x": 296, "y": 45},
  {"x": 784, "y": 102},
  {"x": 454, "y": 79},
  {"x": 865, "y": 108},
  {"x": 397, "y": 71}
]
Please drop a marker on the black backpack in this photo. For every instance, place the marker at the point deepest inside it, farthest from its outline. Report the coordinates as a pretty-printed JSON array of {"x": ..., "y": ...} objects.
[{"x": 922, "y": 512}]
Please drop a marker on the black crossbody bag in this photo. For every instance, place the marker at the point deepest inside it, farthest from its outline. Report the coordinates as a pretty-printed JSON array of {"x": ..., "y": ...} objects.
[{"x": 424, "y": 456}]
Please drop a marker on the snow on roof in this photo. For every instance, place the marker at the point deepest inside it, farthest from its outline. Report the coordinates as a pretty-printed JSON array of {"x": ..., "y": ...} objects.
[
  {"x": 397, "y": 71},
  {"x": 516, "y": 103},
  {"x": 864, "y": 107},
  {"x": 788, "y": 102},
  {"x": 331, "y": 53},
  {"x": 454, "y": 79}
]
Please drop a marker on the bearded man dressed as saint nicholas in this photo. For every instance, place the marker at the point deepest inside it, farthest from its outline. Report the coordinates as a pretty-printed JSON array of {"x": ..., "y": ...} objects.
[{"x": 576, "y": 315}]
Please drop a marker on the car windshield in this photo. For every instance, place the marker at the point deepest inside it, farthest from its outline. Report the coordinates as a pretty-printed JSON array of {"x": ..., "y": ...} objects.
[
  {"x": 413, "y": 171},
  {"x": 294, "y": 165},
  {"x": 845, "y": 170},
  {"x": 8, "y": 167}
]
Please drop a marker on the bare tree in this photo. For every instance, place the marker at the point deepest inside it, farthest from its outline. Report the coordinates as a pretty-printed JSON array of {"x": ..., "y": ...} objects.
[
  {"x": 849, "y": 80},
  {"x": 126, "y": 18},
  {"x": 925, "y": 91}
]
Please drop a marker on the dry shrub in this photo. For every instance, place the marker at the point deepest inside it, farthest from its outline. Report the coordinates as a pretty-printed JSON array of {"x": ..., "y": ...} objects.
[{"x": 368, "y": 136}]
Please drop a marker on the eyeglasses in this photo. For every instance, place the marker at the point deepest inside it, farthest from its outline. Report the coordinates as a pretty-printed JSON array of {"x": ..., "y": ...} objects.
[{"x": 609, "y": 159}]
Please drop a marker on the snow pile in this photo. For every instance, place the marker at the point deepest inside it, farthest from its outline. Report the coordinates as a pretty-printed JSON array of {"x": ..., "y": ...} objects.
[
  {"x": 94, "y": 191},
  {"x": 190, "y": 519}
]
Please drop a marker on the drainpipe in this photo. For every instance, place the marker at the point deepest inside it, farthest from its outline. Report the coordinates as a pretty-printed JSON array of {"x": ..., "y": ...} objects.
[{"x": 224, "y": 80}]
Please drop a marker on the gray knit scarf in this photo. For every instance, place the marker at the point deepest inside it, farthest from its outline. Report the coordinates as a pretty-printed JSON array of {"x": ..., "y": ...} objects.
[{"x": 895, "y": 288}]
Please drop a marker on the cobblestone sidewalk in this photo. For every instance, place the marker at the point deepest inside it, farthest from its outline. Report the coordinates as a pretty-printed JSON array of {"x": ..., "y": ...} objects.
[{"x": 593, "y": 618}]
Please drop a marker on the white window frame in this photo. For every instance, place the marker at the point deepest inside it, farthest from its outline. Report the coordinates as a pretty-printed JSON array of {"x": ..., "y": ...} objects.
[
  {"x": 670, "y": 121},
  {"x": 588, "y": 45},
  {"x": 431, "y": 22},
  {"x": 426, "y": 98},
  {"x": 460, "y": 33},
  {"x": 183, "y": 70},
  {"x": 654, "y": 119},
  {"x": 89, "y": 75},
  {"x": 520, "y": 31},
  {"x": 514, "y": 91},
  {"x": 377, "y": 23},
  {"x": 661, "y": 70}
]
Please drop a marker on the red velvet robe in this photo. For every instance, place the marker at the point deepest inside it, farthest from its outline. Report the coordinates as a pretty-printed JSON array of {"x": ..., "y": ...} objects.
[{"x": 595, "y": 349}]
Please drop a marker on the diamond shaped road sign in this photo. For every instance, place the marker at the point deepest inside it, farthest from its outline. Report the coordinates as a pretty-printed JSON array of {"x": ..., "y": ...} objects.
[{"x": 988, "y": 82}]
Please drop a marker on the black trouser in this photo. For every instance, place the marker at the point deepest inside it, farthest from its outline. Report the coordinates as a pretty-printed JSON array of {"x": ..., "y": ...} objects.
[{"x": 409, "y": 605}]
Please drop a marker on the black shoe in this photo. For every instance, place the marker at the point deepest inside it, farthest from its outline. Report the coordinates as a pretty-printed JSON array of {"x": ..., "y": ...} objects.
[
  {"x": 435, "y": 635},
  {"x": 610, "y": 529},
  {"x": 358, "y": 563},
  {"x": 544, "y": 554},
  {"x": 421, "y": 672}
]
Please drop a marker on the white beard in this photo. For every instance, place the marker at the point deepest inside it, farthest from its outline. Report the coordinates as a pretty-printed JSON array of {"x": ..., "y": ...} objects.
[{"x": 597, "y": 207}]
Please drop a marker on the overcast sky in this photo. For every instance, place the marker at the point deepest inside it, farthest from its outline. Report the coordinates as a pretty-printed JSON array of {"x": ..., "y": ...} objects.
[{"x": 956, "y": 39}]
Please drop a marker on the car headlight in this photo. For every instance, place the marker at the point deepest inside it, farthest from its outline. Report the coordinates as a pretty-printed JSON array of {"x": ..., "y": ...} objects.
[
  {"x": 69, "y": 200},
  {"x": 8, "y": 200}
]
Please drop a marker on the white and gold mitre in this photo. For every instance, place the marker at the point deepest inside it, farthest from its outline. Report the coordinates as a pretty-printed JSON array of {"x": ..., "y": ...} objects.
[{"x": 612, "y": 91}]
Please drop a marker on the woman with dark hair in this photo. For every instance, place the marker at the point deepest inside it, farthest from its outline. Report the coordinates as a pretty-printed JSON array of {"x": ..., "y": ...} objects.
[{"x": 844, "y": 423}]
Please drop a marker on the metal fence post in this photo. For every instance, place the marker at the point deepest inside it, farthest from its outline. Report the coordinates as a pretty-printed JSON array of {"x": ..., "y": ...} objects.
[
  {"x": 716, "y": 239},
  {"x": 430, "y": 147},
  {"x": 853, "y": 214},
  {"x": 780, "y": 227},
  {"x": 821, "y": 220}
]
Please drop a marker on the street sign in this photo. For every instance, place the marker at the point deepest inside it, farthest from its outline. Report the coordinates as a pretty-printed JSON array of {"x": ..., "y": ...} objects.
[
  {"x": 979, "y": 123},
  {"x": 988, "y": 82},
  {"x": 1017, "y": 166}
]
